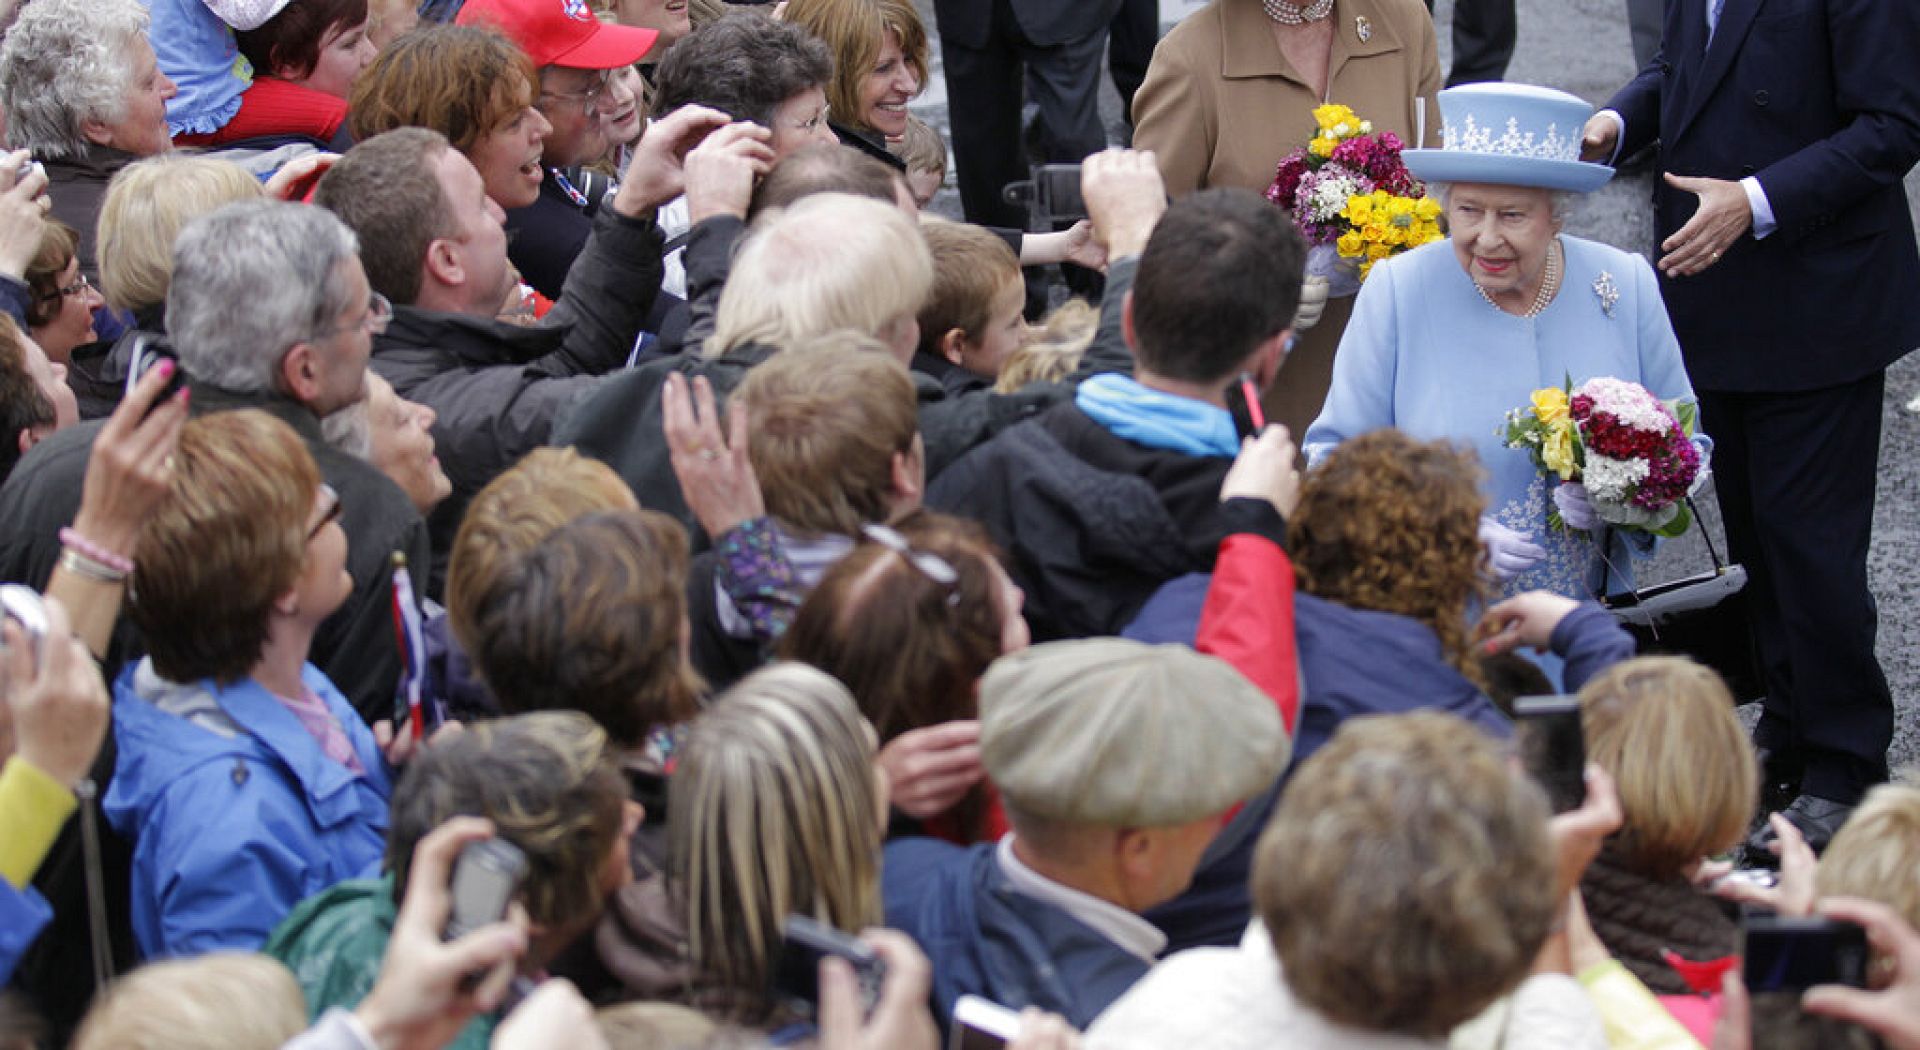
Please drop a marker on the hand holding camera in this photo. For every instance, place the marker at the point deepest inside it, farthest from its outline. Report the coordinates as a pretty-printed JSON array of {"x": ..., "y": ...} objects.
[
  {"x": 54, "y": 695},
  {"x": 23, "y": 212}
]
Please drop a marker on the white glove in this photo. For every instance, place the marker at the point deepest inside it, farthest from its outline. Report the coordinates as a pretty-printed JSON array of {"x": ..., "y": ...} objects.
[
  {"x": 1575, "y": 508},
  {"x": 1313, "y": 303},
  {"x": 1509, "y": 553}
]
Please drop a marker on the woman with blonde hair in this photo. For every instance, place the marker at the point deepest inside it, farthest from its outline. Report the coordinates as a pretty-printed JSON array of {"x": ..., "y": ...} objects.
[
  {"x": 776, "y": 811},
  {"x": 147, "y": 204},
  {"x": 879, "y": 65},
  {"x": 1664, "y": 728}
]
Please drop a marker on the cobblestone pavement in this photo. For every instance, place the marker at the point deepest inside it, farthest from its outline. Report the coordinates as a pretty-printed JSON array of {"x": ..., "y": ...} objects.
[{"x": 1581, "y": 46}]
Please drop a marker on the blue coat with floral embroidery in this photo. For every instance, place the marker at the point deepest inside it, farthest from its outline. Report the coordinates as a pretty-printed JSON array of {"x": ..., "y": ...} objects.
[{"x": 1426, "y": 353}]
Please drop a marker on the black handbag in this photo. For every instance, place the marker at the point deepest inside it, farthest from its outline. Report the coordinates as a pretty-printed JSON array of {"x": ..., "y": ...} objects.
[{"x": 1704, "y": 616}]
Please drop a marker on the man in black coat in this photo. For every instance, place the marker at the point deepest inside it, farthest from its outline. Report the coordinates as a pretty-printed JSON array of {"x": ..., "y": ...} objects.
[
  {"x": 1786, "y": 127},
  {"x": 990, "y": 49},
  {"x": 1101, "y": 499}
]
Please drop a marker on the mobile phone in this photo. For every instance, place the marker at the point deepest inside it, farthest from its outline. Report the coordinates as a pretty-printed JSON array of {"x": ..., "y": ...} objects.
[
  {"x": 485, "y": 880},
  {"x": 148, "y": 352},
  {"x": 1553, "y": 747},
  {"x": 981, "y": 1024},
  {"x": 1058, "y": 187},
  {"x": 23, "y": 606},
  {"x": 1786, "y": 953},
  {"x": 27, "y": 167},
  {"x": 803, "y": 943}
]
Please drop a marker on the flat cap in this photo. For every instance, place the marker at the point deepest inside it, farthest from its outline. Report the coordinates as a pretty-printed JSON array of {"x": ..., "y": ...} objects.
[{"x": 1124, "y": 734}]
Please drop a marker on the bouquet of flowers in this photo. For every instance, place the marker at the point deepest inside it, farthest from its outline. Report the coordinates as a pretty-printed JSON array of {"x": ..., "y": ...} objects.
[
  {"x": 1352, "y": 197},
  {"x": 1632, "y": 451}
]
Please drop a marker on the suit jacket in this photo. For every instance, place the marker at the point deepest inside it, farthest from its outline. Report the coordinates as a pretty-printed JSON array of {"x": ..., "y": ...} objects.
[
  {"x": 1047, "y": 23},
  {"x": 1220, "y": 105},
  {"x": 1817, "y": 100}
]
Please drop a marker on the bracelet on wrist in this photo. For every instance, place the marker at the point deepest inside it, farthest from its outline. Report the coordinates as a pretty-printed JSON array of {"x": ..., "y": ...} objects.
[
  {"x": 88, "y": 569},
  {"x": 75, "y": 543}
]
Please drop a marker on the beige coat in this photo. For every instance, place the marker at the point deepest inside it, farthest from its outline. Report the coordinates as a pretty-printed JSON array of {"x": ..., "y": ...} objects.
[{"x": 1221, "y": 105}]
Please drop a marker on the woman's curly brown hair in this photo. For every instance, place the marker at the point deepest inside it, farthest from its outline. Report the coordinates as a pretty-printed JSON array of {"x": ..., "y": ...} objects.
[{"x": 1391, "y": 524}]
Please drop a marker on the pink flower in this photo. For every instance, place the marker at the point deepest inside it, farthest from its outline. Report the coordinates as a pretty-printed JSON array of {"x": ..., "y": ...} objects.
[{"x": 1286, "y": 179}]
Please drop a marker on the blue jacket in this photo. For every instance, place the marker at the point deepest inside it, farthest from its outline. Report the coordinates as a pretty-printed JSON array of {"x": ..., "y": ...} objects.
[
  {"x": 235, "y": 813},
  {"x": 985, "y": 939},
  {"x": 1354, "y": 662},
  {"x": 23, "y": 914}
]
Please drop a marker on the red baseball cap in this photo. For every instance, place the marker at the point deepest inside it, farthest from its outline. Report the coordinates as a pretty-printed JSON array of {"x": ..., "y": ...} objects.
[{"x": 560, "y": 32}]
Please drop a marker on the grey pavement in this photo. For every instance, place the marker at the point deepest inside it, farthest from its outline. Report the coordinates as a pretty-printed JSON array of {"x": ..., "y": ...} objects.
[{"x": 1581, "y": 46}]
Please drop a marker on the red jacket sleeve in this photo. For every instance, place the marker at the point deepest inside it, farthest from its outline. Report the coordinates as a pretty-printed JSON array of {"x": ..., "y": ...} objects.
[{"x": 1248, "y": 619}]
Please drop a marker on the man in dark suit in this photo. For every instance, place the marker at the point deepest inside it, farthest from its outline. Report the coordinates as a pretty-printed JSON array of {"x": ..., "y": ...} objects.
[
  {"x": 990, "y": 48},
  {"x": 1484, "y": 32},
  {"x": 1790, "y": 270}
]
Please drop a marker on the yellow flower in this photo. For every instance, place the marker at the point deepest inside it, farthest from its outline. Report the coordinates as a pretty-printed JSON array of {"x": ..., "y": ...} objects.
[
  {"x": 1350, "y": 245},
  {"x": 1550, "y": 405},
  {"x": 1360, "y": 210},
  {"x": 1427, "y": 209},
  {"x": 1333, "y": 114},
  {"x": 1321, "y": 146},
  {"x": 1556, "y": 451},
  {"x": 1379, "y": 251}
]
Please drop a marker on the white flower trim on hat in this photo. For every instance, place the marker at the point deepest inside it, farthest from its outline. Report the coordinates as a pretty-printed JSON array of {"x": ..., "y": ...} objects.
[{"x": 1472, "y": 138}]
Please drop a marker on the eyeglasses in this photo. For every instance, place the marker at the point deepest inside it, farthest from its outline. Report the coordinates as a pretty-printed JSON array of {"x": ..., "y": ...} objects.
[
  {"x": 331, "y": 500},
  {"x": 930, "y": 565},
  {"x": 78, "y": 287},
  {"x": 588, "y": 98},
  {"x": 379, "y": 313}
]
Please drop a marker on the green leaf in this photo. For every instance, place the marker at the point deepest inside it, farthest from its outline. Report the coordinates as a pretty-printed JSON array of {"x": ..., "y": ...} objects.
[{"x": 1677, "y": 526}]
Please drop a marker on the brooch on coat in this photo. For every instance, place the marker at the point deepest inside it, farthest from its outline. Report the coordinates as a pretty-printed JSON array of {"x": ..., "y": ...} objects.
[
  {"x": 1362, "y": 28},
  {"x": 1608, "y": 293}
]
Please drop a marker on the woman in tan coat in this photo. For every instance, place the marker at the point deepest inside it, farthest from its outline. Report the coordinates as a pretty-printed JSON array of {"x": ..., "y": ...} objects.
[{"x": 1232, "y": 90}]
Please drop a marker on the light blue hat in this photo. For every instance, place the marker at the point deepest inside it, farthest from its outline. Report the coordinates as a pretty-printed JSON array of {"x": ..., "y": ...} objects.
[{"x": 1512, "y": 135}]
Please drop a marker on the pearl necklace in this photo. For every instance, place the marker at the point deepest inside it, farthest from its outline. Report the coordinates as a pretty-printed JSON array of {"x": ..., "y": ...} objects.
[
  {"x": 1549, "y": 285},
  {"x": 1293, "y": 15}
]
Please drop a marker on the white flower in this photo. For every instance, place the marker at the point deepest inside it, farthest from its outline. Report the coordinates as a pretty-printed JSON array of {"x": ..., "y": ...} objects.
[
  {"x": 1612, "y": 481},
  {"x": 1630, "y": 403},
  {"x": 1342, "y": 130},
  {"x": 1366, "y": 127}
]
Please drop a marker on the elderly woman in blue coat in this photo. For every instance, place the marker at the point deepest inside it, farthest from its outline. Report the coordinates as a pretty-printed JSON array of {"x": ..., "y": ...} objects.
[{"x": 1449, "y": 337}]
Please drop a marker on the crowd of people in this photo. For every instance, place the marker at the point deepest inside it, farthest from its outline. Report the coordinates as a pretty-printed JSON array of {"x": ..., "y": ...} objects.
[{"x": 510, "y": 506}]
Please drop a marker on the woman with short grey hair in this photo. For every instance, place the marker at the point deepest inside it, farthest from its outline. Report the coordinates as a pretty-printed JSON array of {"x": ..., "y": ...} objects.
[{"x": 85, "y": 94}]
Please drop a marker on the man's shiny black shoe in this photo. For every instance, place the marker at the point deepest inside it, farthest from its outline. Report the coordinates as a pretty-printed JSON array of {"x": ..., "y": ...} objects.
[{"x": 1818, "y": 819}]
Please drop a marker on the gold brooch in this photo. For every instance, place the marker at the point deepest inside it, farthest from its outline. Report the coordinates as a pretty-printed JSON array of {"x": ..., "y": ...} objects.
[{"x": 1363, "y": 28}]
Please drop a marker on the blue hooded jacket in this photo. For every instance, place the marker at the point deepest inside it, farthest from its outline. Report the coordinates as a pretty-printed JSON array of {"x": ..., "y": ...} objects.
[
  {"x": 986, "y": 939},
  {"x": 235, "y": 813}
]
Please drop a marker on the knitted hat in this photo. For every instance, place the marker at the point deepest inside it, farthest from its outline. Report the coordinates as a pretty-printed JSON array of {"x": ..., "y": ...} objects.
[
  {"x": 1119, "y": 733},
  {"x": 560, "y": 32}
]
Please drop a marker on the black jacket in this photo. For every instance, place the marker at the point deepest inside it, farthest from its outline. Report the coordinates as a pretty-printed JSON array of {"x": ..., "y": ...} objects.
[
  {"x": 545, "y": 237},
  {"x": 1091, "y": 524},
  {"x": 498, "y": 388},
  {"x": 355, "y": 646},
  {"x": 77, "y": 186}
]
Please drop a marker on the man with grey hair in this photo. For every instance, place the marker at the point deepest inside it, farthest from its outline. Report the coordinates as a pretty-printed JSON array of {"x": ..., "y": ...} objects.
[
  {"x": 84, "y": 93},
  {"x": 269, "y": 308},
  {"x": 1117, "y": 763}
]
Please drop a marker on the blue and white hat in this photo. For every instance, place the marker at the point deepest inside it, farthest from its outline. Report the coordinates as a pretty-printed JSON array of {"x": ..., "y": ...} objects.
[{"x": 1512, "y": 135}]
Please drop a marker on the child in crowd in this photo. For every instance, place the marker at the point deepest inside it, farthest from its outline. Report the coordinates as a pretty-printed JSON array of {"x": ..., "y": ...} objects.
[
  {"x": 971, "y": 321},
  {"x": 1053, "y": 348},
  {"x": 926, "y": 157}
]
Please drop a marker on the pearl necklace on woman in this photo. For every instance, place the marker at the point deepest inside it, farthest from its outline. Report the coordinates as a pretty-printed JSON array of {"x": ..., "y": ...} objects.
[
  {"x": 1549, "y": 285},
  {"x": 1295, "y": 15}
]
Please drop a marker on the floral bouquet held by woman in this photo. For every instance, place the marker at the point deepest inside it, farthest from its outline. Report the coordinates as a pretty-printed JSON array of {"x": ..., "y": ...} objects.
[
  {"x": 1352, "y": 198},
  {"x": 1633, "y": 453}
]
